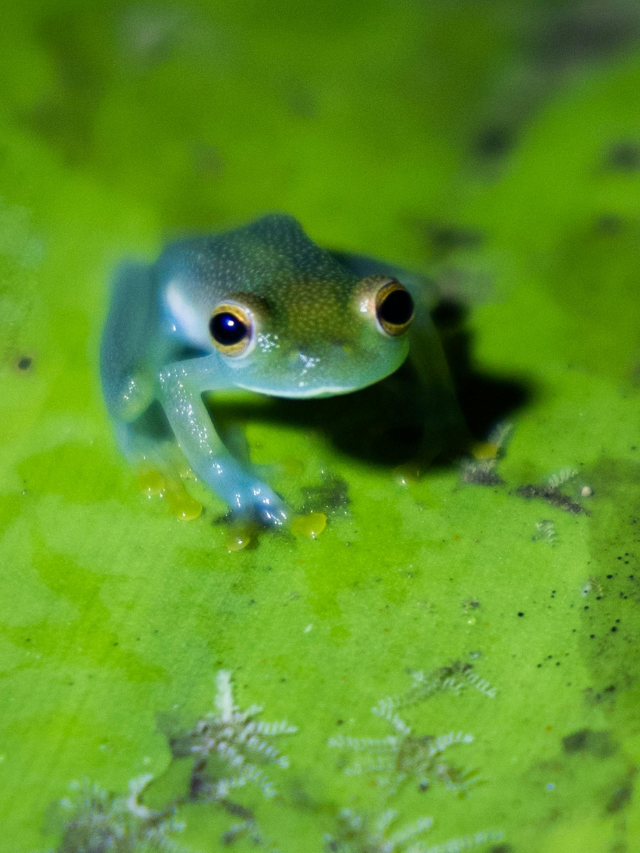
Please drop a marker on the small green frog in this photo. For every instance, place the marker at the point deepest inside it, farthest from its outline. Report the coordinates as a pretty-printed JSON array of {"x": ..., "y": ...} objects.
[{"x": 262, "y": 308}]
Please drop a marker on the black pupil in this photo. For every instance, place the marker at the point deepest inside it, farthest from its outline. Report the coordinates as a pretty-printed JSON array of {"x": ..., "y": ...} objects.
[
  {"x": 227, "y": 329},
  {"x": 396, "y": 308}
]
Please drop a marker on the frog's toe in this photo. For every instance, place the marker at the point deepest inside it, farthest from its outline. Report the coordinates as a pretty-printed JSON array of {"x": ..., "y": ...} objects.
[
  {"x": 269, "y": 509},
  {"x": 257, "y": 503}
]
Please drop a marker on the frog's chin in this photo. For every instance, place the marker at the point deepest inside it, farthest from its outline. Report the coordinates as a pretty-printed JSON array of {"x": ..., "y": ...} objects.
[{"x": 303, "y": 393}]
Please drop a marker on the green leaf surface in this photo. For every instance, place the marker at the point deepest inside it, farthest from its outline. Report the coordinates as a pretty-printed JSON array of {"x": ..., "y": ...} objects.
[{"x": 462, "y": 647}]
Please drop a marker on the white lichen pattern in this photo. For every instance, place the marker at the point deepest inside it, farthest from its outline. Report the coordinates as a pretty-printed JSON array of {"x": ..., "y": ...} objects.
[
  {"x": 401, "y": 756},
  {"x": 98, "y": 820},
  {"x": 453, "y": 678},
  {"x": 230, "y": 738},
  {"x": 404, "y": 755},
  {"x": 458, "y": 845},
  {"x": 356, "y": 834},
  {"x": 222, "y": 744}
]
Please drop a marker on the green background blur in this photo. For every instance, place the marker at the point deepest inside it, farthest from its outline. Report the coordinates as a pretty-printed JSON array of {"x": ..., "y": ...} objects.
[{"x": 494, "y": 145}]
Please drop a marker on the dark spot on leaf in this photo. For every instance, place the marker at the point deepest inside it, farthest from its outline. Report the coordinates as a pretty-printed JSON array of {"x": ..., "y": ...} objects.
[
  {"x": 624, "y": 156},
  {"x": 330, "y": 496},
  {"x": 207, "y": 159},
  {"x": 619, "y": 799},
  {"x": 599, "y": 744},
  {"x": 587, "y": 32},
  {"x": 237, "y": 810},
  {"x": 494, "y": 142},
  {"x": 609, "y": 224},
  {"x": 447, "y": 238},
  {"x": 553, "y": 496}
]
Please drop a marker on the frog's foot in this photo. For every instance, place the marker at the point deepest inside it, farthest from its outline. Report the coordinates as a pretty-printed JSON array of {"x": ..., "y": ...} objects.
[
  {"x": 145, "y": 448},
  {"x": 261, "y": 505},
  {"x": 161, "y": 469}
]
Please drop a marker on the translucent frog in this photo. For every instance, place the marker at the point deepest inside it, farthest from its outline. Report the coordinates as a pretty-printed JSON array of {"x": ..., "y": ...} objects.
[{"x": 261, "y": 308}]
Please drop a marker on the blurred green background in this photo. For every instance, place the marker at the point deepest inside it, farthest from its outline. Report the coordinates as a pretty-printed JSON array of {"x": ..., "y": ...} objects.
[{"x": 494, "y": 145}]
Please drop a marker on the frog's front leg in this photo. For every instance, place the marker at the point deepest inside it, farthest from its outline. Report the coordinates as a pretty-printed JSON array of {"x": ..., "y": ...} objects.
[{"x": 181, "y": 387}]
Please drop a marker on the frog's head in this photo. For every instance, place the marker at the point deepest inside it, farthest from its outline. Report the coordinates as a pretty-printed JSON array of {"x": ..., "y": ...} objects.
[
  {"x": 286, "y": 317},
  {"x": 313, "y": 338}
]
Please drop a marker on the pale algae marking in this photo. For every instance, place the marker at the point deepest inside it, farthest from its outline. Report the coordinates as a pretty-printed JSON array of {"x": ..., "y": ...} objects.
[
  {"x": 403, "y": 755},
  {"x": 357, "y": 834},
  {"x": 454, "y": 678},
  {"x": 100, "y": 821},
  {"x": 229, "y": 738},
  {"x": 21, "y": 253},
  {"x": 397, "y": 757},
  {"x": 220, "y": 744},
  {"x": 19, "y": 240},
  {"x": 481, "y": 469},
  {"x": 229, "y": 747},
  {"x": 457, "y": 845},
  {"x": 545, "y": 532}
]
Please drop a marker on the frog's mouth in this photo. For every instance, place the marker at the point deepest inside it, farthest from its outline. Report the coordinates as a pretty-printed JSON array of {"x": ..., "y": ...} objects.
[
  {"x": 309, "y": 382},
  {"x": 303, "y": 393}
]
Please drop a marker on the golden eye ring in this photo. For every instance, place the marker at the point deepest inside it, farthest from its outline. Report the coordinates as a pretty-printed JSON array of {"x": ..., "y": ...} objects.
[
  {"x": 394, "y": 308},
  {"x": 232, "y": 329}
]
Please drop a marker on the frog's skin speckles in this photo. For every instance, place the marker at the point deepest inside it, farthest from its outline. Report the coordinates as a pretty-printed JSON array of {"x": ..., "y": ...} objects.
[
  {"x": 231, "y": 746},
  {"x": 263, "y": 309}
]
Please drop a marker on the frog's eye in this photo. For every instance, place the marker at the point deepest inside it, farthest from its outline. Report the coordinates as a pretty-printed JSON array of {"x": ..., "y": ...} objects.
[
  {"x": 394, "y": 308},
  {"x": 231, "y": 328}
]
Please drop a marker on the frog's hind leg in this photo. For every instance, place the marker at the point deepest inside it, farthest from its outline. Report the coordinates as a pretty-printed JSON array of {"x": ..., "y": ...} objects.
[
  {"x": 131, "y": 354},
  {"x": 128, "y": 372},
  {"x": 148, "y": 440},
  {"x": 160, "y": 466},
  {"x": 127, "y": 342}
]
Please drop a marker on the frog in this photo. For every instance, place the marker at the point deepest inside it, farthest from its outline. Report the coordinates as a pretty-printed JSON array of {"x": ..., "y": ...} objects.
[{"x": 262, "y": 308}]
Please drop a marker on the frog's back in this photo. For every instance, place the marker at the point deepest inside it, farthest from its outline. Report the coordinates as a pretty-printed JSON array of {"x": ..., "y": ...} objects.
[{"x": 259, "y": 258}]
